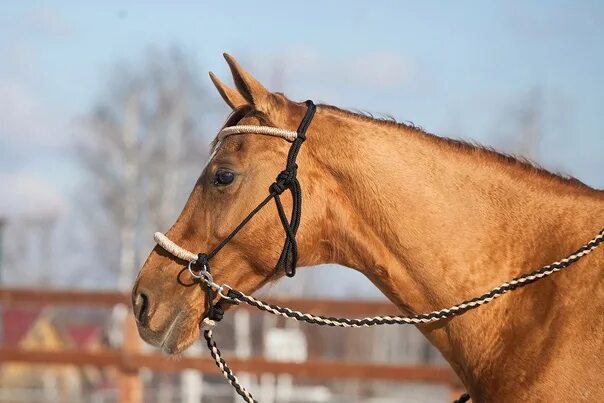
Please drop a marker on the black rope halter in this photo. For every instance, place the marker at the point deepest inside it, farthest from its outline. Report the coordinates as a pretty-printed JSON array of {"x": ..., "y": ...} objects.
[{"x": 286, "y": 180}]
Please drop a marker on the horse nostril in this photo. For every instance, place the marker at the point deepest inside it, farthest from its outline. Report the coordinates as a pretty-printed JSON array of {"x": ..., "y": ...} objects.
[{"x": 141, "y": 308}]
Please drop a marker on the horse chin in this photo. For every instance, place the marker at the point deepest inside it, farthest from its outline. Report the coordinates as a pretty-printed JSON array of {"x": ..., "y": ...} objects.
[
  {"x": 178, "y": 342},
  {"x": 180, "y": 335}
]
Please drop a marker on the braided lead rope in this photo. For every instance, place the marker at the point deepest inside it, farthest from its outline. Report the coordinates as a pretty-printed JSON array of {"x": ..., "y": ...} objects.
[
  {"x": 433, "y": 316},
  {"x": 225, "y": 369},
  {"x": 230, "y": 376},
  {"x": 208, "y": 324},
  {"x": 289, "y": 135}
]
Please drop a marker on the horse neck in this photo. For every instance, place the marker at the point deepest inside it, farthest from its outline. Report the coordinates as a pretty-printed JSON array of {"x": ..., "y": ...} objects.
[{"x": 433, "y": 222}]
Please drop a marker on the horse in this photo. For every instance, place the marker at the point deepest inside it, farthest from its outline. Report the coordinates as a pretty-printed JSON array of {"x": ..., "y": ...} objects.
[{"x": 428, "y": 220}]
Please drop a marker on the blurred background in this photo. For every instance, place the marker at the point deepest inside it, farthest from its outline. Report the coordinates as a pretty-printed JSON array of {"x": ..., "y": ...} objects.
[{"x": 106, "y": 113}]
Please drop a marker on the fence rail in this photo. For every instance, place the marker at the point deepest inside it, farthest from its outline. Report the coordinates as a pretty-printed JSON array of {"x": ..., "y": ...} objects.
[
  {"x": 311, "y": 369},
  {"x": 45, "y": 297},
  {"x": 129, "y": 360}
]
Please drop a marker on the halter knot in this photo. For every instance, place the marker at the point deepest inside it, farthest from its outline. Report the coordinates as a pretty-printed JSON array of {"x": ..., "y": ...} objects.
[
  {"x": 216, "y": 312},
  {"x": 202, "y": 263},
  {"x": 285, "y": 180}
]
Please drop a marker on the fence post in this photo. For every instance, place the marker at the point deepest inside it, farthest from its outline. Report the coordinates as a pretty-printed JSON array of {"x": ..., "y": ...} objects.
[{"x": 130, "y": 384}]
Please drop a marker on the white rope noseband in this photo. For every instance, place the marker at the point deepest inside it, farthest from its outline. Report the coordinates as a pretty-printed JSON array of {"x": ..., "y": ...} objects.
[{"x": 172, "y": 248}]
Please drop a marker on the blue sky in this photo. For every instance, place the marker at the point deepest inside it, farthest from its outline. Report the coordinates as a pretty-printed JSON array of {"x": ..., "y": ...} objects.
[{"x": 455, "y": 68}]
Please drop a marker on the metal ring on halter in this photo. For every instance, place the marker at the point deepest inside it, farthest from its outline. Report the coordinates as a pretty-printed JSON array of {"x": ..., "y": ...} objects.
[
  {"x": 222, "y": 294},
  {"x": 203, "y": 273}
]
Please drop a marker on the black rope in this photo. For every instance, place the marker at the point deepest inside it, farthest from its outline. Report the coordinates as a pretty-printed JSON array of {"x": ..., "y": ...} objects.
[
  {"x": 463, "y": 398},
  {"x": 240, "y": 226},
  {"x": 286, "y": 180}
]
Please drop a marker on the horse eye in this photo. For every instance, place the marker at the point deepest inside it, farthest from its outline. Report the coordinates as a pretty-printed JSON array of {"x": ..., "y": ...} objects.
[{"x": 223, "y": 177}]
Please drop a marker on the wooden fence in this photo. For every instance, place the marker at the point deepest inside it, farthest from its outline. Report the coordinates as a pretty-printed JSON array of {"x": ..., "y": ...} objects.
[{"x": 129, "y": 360}]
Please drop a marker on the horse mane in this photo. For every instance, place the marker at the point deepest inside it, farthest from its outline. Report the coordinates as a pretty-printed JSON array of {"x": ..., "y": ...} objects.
[{"x": 469, "y": 147}]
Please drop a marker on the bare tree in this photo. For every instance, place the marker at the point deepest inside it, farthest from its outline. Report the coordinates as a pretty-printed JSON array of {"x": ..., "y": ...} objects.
[{"x": 142, "y": 149}]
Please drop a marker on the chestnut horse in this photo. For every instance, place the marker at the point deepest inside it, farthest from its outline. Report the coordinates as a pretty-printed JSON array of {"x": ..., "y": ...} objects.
[{"x": 430, "y": 221}]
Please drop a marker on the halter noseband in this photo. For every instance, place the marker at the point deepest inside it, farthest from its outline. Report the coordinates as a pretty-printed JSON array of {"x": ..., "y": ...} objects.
[{"x": 199, "y": 265}]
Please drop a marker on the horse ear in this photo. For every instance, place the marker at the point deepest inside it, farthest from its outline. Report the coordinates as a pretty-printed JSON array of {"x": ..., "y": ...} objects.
[
  {"x": 230, "y": 95},
  {"x": 247, "y": 85}
]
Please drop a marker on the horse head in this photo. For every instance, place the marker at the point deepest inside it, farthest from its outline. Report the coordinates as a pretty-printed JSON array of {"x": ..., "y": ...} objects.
[{"x": 168, "y": 303}]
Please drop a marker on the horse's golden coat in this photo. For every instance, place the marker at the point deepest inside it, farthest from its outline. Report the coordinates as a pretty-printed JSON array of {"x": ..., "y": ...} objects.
[{"x": 429, "y": 221}]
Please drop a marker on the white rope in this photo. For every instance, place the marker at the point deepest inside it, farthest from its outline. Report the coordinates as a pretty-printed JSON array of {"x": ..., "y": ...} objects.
[
  {"x": 207, "y": 324},
  {"x": 289, "y": 135},
  {"x": 174, "y": 249}
]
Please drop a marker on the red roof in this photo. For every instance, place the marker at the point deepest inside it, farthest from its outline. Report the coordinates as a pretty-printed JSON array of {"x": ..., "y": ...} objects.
[
  {"x": 16, "y": 322},
  {"x": 82, "y": 335}
]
